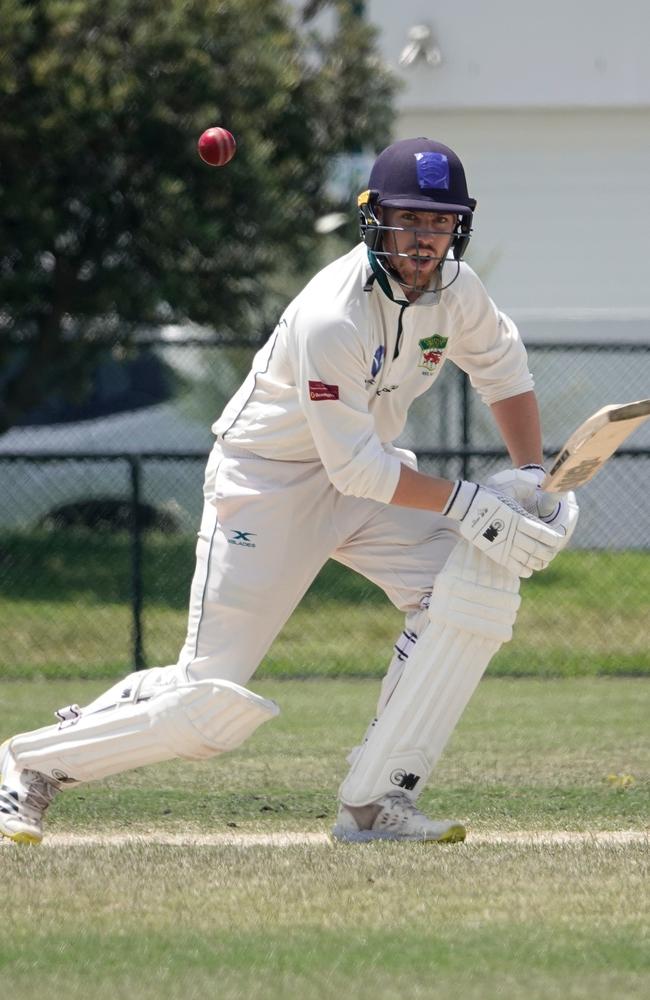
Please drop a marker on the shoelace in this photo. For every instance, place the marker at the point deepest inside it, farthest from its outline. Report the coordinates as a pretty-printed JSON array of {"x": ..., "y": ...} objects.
[
  {"x": 398, "y": 807},
  {"x": 39, "y": 793},
  {"x": 405, "y": 803}
]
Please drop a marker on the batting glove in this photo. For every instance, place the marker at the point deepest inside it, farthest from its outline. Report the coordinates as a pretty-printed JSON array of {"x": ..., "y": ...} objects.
[{"x": 499, "y": 526}]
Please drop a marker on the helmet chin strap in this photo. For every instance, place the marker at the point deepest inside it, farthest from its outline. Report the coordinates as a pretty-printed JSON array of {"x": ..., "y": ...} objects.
[{"x": 415, "y": 287}]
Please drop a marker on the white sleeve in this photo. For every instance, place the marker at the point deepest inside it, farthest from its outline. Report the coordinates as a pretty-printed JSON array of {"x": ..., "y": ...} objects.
[
  {"x": 488, "y": 346},
  {"x": 330, "y": 370}
]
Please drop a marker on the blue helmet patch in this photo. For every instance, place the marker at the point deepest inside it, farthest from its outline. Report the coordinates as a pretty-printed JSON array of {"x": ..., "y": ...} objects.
[{"x": 432, "y": 171}]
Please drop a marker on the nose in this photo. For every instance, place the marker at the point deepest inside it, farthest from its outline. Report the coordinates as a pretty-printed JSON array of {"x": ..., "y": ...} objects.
[
  {"x": 425, "y": 242},
  {"x": 425, "y": 238}
]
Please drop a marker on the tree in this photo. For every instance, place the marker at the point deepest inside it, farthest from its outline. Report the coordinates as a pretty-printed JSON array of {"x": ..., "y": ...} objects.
[
  {"x": 356, "y": 88},
  {"x": 313, "y": 7},
  {"x": 108, "y": 219}
]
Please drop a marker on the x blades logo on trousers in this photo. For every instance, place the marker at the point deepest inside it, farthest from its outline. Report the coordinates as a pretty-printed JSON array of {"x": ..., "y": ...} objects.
[{"x": 241, "y": 538}]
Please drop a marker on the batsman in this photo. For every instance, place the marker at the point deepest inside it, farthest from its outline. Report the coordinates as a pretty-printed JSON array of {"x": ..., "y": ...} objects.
[{"x": 304, "y": 469}]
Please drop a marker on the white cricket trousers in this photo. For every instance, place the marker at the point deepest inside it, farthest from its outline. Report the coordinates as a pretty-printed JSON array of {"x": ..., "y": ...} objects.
[{"x": 268, "y": 527}]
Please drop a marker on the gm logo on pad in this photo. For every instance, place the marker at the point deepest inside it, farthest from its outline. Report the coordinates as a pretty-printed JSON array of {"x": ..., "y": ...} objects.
[{"x": 403, "y": 779}]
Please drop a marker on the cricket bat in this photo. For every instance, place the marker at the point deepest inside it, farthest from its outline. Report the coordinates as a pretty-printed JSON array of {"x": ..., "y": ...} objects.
[{"x": 589, "y": 447}]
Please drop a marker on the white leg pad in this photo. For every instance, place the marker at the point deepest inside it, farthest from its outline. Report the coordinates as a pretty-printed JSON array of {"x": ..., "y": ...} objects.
[
  {"x": 192, "y": 721},
  {"x": 473, "y": 608}
]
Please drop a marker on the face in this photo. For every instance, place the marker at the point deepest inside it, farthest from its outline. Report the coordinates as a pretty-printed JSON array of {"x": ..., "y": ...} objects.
[{"x": 418, "y": 243}]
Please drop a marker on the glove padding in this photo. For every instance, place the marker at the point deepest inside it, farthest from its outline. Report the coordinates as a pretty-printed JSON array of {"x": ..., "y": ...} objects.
[
  {"x": 559, "y": 510},
  {"x": 499, "y": 526}
]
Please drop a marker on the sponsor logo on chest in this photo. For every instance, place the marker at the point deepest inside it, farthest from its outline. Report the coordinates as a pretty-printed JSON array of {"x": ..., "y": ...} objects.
[
  {"x": 377, "y": 362},
  {"x": 431, "y": 353},
  {"x": 319, "y": 391}
]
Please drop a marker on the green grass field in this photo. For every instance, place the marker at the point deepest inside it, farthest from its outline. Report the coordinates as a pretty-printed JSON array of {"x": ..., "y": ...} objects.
[
  {"x": 64, "y": 611},
  {"x": 493, "y": 918},
  {"x": 557, "y": 750}
]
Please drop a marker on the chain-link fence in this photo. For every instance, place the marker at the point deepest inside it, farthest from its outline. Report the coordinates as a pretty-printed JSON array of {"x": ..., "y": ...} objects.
[{"x": 98, "y": 522}]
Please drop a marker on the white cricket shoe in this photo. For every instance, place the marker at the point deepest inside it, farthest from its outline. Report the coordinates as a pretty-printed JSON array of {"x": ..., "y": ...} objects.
[
  {"x": 394, "y": 817},
  {"x": 24, "y": 797}
]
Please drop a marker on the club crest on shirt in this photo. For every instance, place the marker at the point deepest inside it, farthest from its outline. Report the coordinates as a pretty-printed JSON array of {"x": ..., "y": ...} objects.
[{"x": 431, "y": 351}]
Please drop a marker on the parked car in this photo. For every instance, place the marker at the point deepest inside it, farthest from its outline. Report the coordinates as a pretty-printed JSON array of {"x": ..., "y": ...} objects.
[{"x": 74, "y": 463}]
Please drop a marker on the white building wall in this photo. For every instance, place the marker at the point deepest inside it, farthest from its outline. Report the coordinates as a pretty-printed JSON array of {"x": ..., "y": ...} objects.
[
  {"x": 516, "y": 53},
  {"x": 549, "y": 108},
  {"x": 563, "y": 216}
]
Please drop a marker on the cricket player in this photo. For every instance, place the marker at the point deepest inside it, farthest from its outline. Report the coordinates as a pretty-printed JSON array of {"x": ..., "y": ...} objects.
[{"x": 304, "y": 469}]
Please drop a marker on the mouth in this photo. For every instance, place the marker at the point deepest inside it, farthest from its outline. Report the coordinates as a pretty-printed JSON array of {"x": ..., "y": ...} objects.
[
  {"x": 420, "y": 253},
  {"x": 421, "y": 262}
]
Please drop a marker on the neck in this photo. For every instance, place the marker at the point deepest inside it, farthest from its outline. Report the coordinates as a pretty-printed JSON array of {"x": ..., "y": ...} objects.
[{"x": 413, "y": 294}]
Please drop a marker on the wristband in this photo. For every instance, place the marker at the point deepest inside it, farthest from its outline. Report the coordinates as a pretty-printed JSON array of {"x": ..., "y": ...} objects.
[{"x": 460, "y": 500}]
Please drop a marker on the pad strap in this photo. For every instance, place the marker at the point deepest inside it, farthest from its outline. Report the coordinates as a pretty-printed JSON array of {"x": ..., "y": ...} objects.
[{"x": 192, "y": 721}]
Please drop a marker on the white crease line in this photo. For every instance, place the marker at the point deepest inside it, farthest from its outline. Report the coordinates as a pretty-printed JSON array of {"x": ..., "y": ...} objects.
[{"x": 531, "y": 838}]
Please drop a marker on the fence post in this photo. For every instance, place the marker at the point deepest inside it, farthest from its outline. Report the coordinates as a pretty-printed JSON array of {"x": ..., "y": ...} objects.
[
  {"x": 466, "y": 421},
  {"x": 135, "y": 469}
]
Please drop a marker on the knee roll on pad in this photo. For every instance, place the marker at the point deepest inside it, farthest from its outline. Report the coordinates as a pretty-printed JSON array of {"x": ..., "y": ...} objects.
[
  {"x": 192, "y": 721},
  {"x": 473, "y": 608}
]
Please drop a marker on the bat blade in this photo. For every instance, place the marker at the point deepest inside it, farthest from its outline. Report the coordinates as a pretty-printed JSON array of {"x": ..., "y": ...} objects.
[{"x": 589, "y": 447}]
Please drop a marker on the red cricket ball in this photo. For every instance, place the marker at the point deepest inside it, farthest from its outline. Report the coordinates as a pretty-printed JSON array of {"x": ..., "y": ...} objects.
[{"x": 217, "y": 146}]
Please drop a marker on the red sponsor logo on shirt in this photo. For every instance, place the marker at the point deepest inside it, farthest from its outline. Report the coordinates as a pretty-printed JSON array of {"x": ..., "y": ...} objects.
[{"x": 321, "y": 390}]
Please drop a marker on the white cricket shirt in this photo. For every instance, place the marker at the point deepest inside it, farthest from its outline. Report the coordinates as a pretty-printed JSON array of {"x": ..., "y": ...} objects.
[{"x": 335, "y": 380}]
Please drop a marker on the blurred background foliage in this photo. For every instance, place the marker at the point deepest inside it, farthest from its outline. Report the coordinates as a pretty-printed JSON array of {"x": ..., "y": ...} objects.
[{"x": 109, "y": 221}]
